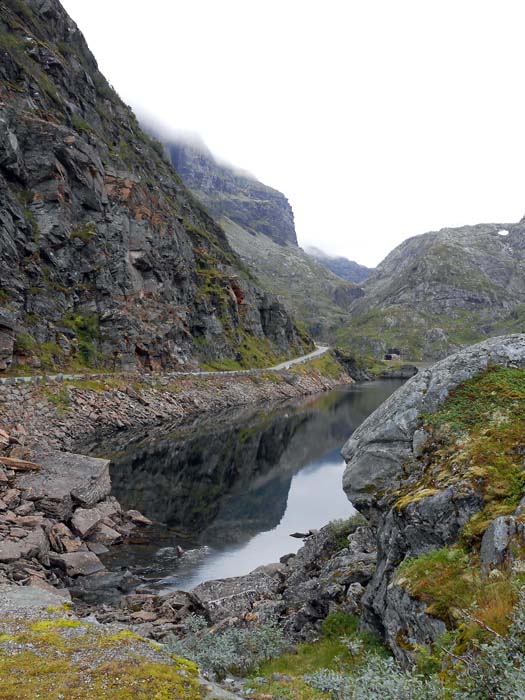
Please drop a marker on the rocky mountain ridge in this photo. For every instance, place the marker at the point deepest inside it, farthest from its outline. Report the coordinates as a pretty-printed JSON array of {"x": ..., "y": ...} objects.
[
  {"x": 259, "y": 225},
  {"x": 348, "y": 270},
  {"x": 440, "y": 291},
  {"x": 105, "y": 258},
  {"x": 233, "y": 194}
]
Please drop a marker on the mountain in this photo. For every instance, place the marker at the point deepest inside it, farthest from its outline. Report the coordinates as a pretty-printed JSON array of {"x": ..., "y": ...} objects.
[
  {"x": 258, "y": 222},
  {"x": 105, "y": 257},
  {"x": 443, "y": 290},
  {"x": 342, "y": 267},
  {"x": 227, "y": 192}
]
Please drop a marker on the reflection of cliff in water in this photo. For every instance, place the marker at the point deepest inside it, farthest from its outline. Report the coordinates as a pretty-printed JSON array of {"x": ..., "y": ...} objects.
[{"x": 229, "y": 479}]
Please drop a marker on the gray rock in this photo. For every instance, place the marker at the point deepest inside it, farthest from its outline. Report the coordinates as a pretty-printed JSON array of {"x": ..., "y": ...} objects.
[
  {"x": 381, "y": 456},
  {"x": 378, "y": 450},
  {"x": 234, "y": 596},
  {"x": 497, "y": 540},
  {"x": 64, "y": 479},
  {"x": 35, "y": 544},
  {"x": 20, "y": 599},
  {"x": 78, "y": 563},
  {"x": 86, "y": 520}
]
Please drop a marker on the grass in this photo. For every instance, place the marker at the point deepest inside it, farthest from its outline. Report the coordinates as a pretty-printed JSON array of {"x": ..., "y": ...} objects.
[
  {"x": 329, "y": 652},
  {"x": 450, "y": 583},
  {"x": 64, "y": 658},
  {"x": 342, "y": 528},
  {"x": 477, "y": 444},
  {"x": 83, "y": 233}
]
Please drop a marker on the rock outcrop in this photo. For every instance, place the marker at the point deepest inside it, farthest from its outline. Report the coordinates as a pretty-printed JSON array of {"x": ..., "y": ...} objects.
[
  {"x": 328, "y": 573},
  {"x": 56, "y": 516},
  {"x": 440, "y": 291},
  {"x": 386, "y": 458},
  {"x": 346, "y": 269},
  {"x": 105, "y": 258},
  {"x": 259, "y": 224},
  {"x": 233, "y": 194}
]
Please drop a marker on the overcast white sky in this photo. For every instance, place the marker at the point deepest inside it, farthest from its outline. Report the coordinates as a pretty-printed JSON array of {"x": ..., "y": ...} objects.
[{"x": 378, "y": 119}]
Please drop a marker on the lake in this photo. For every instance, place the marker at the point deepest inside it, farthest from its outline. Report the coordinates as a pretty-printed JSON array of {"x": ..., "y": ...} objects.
[{"x": 232, "y": 489}]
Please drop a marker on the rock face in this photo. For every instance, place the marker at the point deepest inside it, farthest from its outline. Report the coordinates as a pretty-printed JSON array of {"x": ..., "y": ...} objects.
[
  {"x": 348, "y": 270},
  {"x": 382, "y": 456},
  {"x": 440, "y": 291},
  {"x": 104, "y": 256},
  {"x": 389, "y": 438},
  {"x": 233, "y": 194},
  {"x": 258, "y": 222}
]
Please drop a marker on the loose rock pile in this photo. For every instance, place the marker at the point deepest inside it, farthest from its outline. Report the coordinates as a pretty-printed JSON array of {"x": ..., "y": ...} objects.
[
  {"x": 298, "y": 592},
  {"x": 56, "y": 515}
]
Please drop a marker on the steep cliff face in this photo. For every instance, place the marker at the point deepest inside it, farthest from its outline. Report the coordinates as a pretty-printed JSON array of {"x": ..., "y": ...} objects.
[
  {"x": 259, "y": 225},
  {"x": 438, "y": 470},
  {"x": 439, "y": 291},
  {"x": 346, "y": 269},
  {"x": 230, "y": 193},
  {"x": 105, "y": 258}
]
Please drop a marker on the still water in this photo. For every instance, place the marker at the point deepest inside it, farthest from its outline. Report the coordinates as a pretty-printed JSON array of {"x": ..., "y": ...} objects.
[{"x": 231, "y": 490}]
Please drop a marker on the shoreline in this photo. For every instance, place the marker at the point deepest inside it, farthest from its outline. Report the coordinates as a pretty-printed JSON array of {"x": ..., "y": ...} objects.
[
  {"x": 44, "y": 507},
  {"x": 62, "y": 414}
]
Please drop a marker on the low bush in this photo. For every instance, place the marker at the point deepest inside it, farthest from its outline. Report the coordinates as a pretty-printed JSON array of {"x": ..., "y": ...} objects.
[{"x": 234, "y": 650}]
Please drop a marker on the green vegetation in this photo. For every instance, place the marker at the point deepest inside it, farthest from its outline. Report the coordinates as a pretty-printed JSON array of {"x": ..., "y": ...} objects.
[
  {"x": 449, "y": 581},
  {"x": 326, "y": 365},
  {"x": 80, "y": 125},
  {"x": 340, "y": 646},
  {"x": 61, "y": 658},
  {"x": 84, "y": 233},
  {"x": 343, "y": 528},
  {"x": 86, "y": 327},
  {"x": 24, "y": 344},
  {"x": 59, "y": 397}
]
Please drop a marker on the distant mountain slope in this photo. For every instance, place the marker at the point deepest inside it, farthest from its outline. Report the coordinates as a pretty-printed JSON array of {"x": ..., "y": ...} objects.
[
  {"x": 342, "y": 267},
  {"x": 441, "y": 290},
  {"x": 105, "y": 257},
  {"x": 225, "y": 191},
  {"x": 311, "y": 293},
  {"x": 259, "y": 225}
]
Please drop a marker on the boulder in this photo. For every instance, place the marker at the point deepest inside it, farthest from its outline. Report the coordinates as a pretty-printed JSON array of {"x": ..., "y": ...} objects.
[
  {"x": 234, "y": 596},
  {"x": 382, "y": 455},
  {"x": 78, "y": 563},
  {"x": 63, "y": 480},
  {"x": 34, "y": 544},
  {"x": 379, "y": 449},
  {"x": 86, "y": 520}
]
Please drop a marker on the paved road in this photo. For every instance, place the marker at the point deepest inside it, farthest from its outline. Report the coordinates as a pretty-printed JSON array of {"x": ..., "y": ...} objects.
[
  {"x": 320, "y": 350},
  {"x": 276, "y": 368}
]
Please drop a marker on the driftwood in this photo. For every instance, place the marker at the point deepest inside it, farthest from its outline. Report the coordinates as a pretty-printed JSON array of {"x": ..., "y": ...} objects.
[{"x": 19, "y": 465}]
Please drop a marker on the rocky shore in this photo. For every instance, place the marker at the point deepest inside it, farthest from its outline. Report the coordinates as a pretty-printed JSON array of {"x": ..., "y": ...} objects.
[
  {"x": 57, "y": 514},
  {"x": 64, "y": 413}
]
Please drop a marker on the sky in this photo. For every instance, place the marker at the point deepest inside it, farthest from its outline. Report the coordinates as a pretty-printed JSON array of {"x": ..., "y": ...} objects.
[{"x": 378, "y": 120}]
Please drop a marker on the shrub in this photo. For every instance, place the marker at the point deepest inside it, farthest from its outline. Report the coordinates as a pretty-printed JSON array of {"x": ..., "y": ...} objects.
[
  {"x": 378, "y": 679},
  {"x": 24, "y": 344},
  {"x": 232, "y": 650},
  {"x": 342, "y": 528}
]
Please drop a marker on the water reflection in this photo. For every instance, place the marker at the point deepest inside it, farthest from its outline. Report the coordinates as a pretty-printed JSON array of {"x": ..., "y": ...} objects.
[{"x": 239, "y": 485}]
